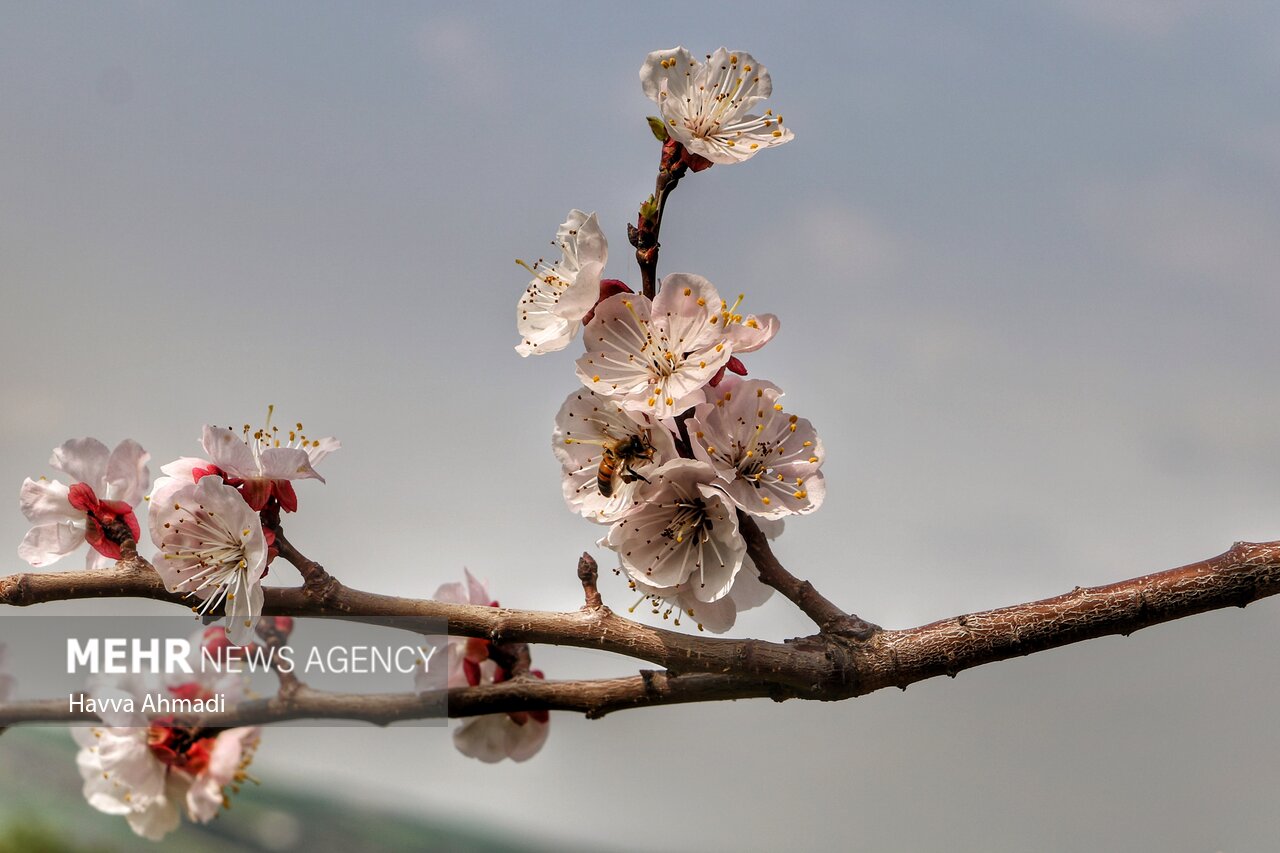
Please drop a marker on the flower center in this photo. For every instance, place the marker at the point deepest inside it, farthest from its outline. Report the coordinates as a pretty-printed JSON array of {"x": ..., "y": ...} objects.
[
  {"x": 108, "y": 524},
  {"x": 546, "y": 273},
  {"x": 689, "y": 521},
  {"x": 216, "y": 554},
  {"x": 185, "y": 747}
]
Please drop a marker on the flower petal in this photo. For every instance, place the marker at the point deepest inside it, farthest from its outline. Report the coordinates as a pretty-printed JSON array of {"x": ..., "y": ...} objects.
[
  {"x": 158, "y": 819},
  {"x": 243, "y": 610},
  {"x": 752, "y": 333},
  {"x": 477, "y": 590},
  {"x": 524, "y": 741},
  {"x": 43, "y": 501},
  {"x": 287, "y": 463},
  {"x": 94, "y": 560},
  {"x": 127, "y": 475},
  {"x": 84, "y": 460},
  {"x": 183, "y": 468},
  {"x": 483, "y": 738},
  {"x": 318, "y": 449},
  {"x": 228, "y": 451},
  {"x": 50, "y": 542},
  {"x": 665, "y": 74},
  {"x": 493, "y": 737}
]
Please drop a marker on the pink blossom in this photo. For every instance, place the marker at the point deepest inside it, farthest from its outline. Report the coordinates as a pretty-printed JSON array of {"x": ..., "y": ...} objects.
[
  {"x": 716, "y": 616},
  {"x": 769, "y": 460},
  {"x": 97, "y": 507},
  {"x": 655, "y": 357},
  {"x": 491, "y": 737},
  {"x": 212, "y": 547},
  {"x": 683, "y": 536},
  {"x": 262, "y": 464}
]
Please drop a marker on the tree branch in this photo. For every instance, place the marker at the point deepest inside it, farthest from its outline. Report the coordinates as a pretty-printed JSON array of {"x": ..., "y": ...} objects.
[
  {"x": 598, "y": 628},
  {"x": 829, "y": 618},
  {"x": 593, "y": 698},
  {"x": 1245, "y": 573},
  {"x": 828, "y": 666}
]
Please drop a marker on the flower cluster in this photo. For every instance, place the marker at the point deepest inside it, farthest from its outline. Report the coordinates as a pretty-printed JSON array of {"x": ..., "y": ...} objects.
[
  {"x": 664, "y": 442},
  {"x": 214, "y": 522},
  {"x": 474, "y": 661},
  {"x": 212, "y": 518},
  {"x": 660, "y": 443}
]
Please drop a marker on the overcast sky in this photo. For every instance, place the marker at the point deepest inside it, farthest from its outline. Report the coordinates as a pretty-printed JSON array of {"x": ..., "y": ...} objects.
[{"x": 1025, "y": 260}]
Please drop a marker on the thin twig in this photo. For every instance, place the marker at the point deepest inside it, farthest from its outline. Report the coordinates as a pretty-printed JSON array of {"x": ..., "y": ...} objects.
[
  {"x": 829, "y": 618},
  {"x": 644, "y": 235},
  {"x": 316, "y": 582}
]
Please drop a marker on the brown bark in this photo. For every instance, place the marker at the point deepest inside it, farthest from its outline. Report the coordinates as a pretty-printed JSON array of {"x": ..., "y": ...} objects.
[{"x": 827, "y": 666}]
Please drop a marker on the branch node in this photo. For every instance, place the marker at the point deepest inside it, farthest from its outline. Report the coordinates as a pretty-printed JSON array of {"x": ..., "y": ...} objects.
[{"x": 588, "y": 573}]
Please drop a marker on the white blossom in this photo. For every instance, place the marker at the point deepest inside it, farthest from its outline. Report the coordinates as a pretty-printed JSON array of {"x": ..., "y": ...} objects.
[
  {"x": 212, "y": 547},
  {"x": 716, "y": 616},
  {"x": 597, "y": 441},
  {"x": 490, "y": 738},
  {"x": 683, "y": 535},
  {"x": 261, "y": 463},
  {"x": 768, "y": 459},
  {"x": 124, "y": 773},
  {"x": 707, "y": 106},
  {"x": 123, "y": 777},
  {"x": 561, "y": 293},
  {"x": 655, "y": 357}
]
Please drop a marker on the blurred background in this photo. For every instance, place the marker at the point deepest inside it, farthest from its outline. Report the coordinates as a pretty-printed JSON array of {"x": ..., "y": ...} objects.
[{"x": 1025, "y": 260}]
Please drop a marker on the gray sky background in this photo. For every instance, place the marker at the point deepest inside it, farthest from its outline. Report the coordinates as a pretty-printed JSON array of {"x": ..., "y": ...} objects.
[{"x": 1025, "y": 261}]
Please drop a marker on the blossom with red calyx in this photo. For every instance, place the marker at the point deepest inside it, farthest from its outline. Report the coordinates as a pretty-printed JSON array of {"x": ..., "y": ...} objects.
[
  {"x": 262, "y": 464},
  {"x": 492, "y": 737},
  {"x": 97, "y": 508},
  {"x": 146, "y": 770}
]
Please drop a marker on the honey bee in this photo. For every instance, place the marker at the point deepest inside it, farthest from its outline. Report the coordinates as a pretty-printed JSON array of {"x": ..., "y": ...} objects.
[{"x": 617, "y": 461}]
